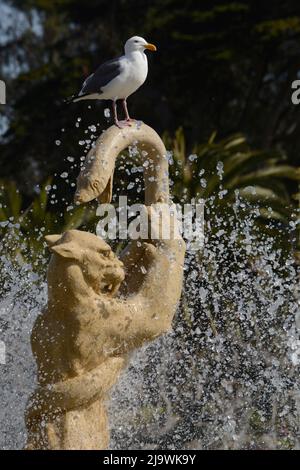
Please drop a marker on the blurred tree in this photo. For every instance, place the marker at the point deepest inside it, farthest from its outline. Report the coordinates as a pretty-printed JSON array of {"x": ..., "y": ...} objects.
[
  {"x": 23, "y": 231},
  {"x": 220, "y": 65}
]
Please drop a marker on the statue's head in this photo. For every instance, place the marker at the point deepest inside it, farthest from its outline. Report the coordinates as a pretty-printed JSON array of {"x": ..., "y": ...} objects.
[
  {"x": 92, "y": 188},
  {"x": 95, "y": 262}
]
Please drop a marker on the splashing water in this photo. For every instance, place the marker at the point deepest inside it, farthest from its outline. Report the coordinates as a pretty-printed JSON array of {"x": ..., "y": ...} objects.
[
  {"x": 226, "y": 377},
  {"x": 23, "y": 293}
]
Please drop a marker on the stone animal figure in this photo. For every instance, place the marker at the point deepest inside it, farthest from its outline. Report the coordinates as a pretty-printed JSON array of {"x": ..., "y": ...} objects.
[{"x": 99, "y": 309}]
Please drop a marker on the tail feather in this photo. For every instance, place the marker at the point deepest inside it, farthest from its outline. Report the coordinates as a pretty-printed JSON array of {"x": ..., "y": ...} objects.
[
  {"x": 70, "y": 99},
  {"x": 84, "y": 96}
]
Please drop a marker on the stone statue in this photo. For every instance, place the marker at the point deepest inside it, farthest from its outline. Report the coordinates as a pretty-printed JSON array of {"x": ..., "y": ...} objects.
[
  {"x": 96, "y": 177},
  {"x": 100, "y": 308}
]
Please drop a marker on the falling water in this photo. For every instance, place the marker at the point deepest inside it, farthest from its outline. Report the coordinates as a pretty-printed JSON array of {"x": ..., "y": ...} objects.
[{"x": 226, "y": 377}]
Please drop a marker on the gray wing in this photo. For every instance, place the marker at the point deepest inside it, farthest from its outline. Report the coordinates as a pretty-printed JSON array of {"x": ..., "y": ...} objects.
[{"x": 103, "y": 75}]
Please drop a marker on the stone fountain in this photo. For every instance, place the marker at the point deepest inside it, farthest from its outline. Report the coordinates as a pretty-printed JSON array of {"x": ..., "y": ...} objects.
[{"x": 100, "y": 308}]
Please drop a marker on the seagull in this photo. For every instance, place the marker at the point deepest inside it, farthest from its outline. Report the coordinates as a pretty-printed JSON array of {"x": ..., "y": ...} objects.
[{"x": 118, "y": 78}]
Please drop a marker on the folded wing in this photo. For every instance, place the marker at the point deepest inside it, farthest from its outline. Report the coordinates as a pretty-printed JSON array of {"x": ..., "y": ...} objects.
[{"x": 103, "y": 75}]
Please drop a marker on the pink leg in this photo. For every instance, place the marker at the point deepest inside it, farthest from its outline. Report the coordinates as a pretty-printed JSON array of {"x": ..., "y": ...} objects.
[
  {"x": 116, "y": 121},
  {"x": 119, "y": 124},
  {"x": 128, "y": 118}
]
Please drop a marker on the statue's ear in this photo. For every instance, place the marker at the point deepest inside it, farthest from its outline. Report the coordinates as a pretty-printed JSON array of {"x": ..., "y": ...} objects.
[
  {"x": 52, "y": 239},
  {"x": 67, "y": 250}
]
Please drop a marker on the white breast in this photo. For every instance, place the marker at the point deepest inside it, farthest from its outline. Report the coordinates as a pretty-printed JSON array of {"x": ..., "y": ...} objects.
[{"x": 134, "y": 70}]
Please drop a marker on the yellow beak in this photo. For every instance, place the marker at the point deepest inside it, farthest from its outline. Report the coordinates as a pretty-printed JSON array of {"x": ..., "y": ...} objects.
[{"x": 151, "y": 47}]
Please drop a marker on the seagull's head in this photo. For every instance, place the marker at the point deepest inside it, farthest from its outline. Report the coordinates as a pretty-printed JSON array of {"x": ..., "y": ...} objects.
[{"x": 136, "y": 43}]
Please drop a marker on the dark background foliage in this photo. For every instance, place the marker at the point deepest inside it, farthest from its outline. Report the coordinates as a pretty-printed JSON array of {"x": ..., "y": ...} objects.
[{"x": 221, "y": 65}]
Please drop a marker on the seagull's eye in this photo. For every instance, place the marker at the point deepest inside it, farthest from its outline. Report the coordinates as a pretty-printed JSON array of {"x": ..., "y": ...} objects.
[{"x": 136, "y": 41}]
